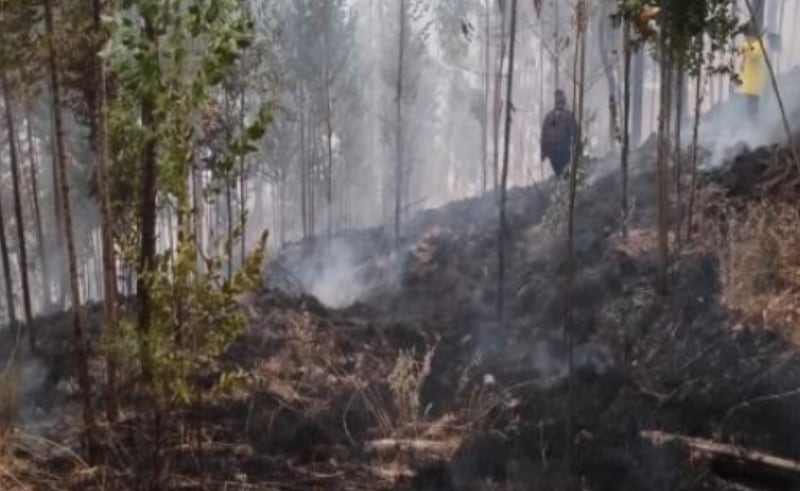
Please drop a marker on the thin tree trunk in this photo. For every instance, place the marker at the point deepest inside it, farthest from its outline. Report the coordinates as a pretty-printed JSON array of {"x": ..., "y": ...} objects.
[
  {"x": 9, "y": 284},
  {"x": 498, "y": 106},
  {"x": 81, "y": 355},
  {"x": 679, "y": 93},
  {"x": 329, "y": 174},
  {"x": 399, "y": 167},
  {"x": 608, "y": 70},
  {"x": 37, "y": 213},
  {"x": 637, "y": 106},
  {"x": 58, "y": 250},
  {"x": 312, "y": 183},
  {"x": 487, "y": 80},
  {"x": 303, "y": 170},
  {"x": 698, "y": 101},
  {"x": 242, "y": 182},
  {"x": 22, "y": 242},
  {"x": 147, "y": 211},
  {"x": 663, "y": 150},
  {"x": 229, "y": 213},
  {"x": 501, "y": 238},
  {"x": 582, "y": 16},
  {"x": 109, "y": 260},
  {"x": 626, "y": 119}
]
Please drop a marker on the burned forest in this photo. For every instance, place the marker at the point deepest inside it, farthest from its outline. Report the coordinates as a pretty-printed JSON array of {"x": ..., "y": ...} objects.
[{"x": 399, "y": 245}]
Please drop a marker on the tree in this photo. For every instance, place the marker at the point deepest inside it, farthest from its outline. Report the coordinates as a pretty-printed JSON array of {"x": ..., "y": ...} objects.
[
  {"x": 399, "y": 167},
  {"x": 79, "y": 343},
  {"x": 100, "y": 156},
  {"x": 7, "y": 45},
  {"x": 501, "y": 244},
  {"x": 626, "y": 119}
]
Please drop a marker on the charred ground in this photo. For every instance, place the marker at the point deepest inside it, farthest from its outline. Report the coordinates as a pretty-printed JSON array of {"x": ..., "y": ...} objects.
[{"x": 417, "y": 386}]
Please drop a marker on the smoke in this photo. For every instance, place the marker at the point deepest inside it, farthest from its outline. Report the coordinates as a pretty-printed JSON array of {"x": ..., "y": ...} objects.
[
  {"x": 336, "y": 275},
  {"x": 728, "y": 129}
]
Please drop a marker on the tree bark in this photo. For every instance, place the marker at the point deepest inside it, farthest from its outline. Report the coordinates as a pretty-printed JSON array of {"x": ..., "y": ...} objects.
[
  {"x": 626, "y": 120},
  {"x": 501, "y": 236},
  {"x": 22, "y": 242},
  {"x": 663, "y": 152},
  {"x": 242, "y": 179},
  {"x": 399, "y": 166},
  {"x": 109, "y": 260},
  {"x": 611, "y": 81},
  {"x": 37, "y": 213},
  {"x": 303, "y": 169},
  {"x": 637, "y": 107},
  {"x": 9, "y": 284},
  {"x": 81, "y": 354},
  {"x": 580, "y": 89},
  {"x": 487, "y": 80},
  {"x": 698, "y": 100},
  {"x": 679, "y": 94},
  {"x": 329, "y": 174},
  {"x": 498, "y": 106},
  {"x": 147, "y": 213}
]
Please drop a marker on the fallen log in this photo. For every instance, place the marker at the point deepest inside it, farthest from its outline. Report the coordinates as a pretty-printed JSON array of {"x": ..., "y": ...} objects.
[
  {"x": 404, "y": 445},
  {"x": 734, "y": 461}
]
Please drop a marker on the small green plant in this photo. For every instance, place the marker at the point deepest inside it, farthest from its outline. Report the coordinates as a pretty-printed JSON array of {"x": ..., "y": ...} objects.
[{"x": 557, "y": 211}]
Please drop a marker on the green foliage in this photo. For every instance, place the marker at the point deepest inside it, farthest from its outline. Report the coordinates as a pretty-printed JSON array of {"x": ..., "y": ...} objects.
[
  {"x": 177, "y": 55},
  {"x": 556, "y": 213},
  {"x": 690, "y": 23}
]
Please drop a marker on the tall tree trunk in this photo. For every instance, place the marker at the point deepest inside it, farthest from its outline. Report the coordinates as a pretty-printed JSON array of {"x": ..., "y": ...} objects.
[
  {"x": 242, "y": 180},
  {"x": 487, "y": 81},
  {"x": 303, "y": 170},
  {"x": 147, "y": 213},
  {"x": 229, "y": 215},
  {"x": 61, "y": 269},
  {"x": 22, "y": 242},
  {"x": 666, "y": 90},
  {"x": 698, "y": 100},
  {"x": 611, "y": 81},
  {"x": 399, "y": 165},
  {"x": 109, "y": 260},
  {"x": 312, "y": 182},
  {"x": 637, "y": 107},
  {"x": 626, "y": 119},
  {"x": 580, "y": 90},
  {"x": 498, "y": 96},
  {"x": 329, "y": 174},
  {"x": 501, "y": 236},
  {"x": 81, "y": 355},
  {"x": 9, "y": 284},
  {"x": 37, "y": 213},
  {"x": 679, "y": 95}
]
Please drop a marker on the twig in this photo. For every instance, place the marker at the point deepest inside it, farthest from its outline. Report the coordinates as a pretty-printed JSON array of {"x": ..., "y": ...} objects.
[{"x": 759, "y": 400}]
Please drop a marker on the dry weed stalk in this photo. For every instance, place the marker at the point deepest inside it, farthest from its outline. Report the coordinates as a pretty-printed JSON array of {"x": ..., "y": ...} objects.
[
  {"x": 762, "y": 268},
  {"x": 405, "y": 382}
]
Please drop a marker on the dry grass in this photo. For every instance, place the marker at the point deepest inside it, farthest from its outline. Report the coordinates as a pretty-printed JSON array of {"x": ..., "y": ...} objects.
[{"x": 761, "y": 267}]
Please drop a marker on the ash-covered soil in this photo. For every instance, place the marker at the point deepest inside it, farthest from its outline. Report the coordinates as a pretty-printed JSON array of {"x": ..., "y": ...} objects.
[{"x": 411, "y": 382}]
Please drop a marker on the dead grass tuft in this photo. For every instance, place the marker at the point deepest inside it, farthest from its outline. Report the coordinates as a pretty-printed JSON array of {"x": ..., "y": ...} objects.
[{"x": 761, "y": 267}]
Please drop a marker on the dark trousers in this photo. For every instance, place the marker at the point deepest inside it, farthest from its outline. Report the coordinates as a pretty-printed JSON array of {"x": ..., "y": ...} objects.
[{"x": 559, "y": 161}]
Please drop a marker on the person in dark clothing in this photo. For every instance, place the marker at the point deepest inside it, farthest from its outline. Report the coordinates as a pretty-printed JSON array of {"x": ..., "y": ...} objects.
[{"x": 559, "y": 133}]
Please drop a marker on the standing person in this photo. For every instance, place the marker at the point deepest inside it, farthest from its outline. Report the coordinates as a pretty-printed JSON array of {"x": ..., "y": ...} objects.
[
  {"x": 559, "y": 133},
  {"x": 753, "y": 72}
]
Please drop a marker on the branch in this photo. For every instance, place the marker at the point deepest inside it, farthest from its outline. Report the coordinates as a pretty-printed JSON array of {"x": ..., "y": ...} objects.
[{"x": 741, "y": 458}]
